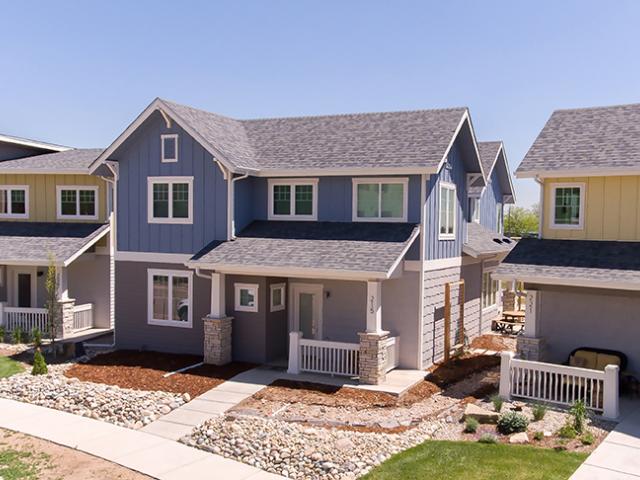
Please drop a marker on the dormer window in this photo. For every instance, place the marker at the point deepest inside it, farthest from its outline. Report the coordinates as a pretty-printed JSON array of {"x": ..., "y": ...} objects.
[{"x": 169, "y": 147}]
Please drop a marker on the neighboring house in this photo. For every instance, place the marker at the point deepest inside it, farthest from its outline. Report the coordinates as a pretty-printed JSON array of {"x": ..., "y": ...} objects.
[
  {"x": 53, "y": 209},
  {"x": 324, "y": 243},
  {"x": 583, "y": 273}
]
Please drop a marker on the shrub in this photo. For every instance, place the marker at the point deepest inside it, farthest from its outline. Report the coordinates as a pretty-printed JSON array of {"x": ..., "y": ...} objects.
[
  {"x": 497, "y": 403},
  {"x": 36, "y": 336},
  {"x": 587, "y": 438},
  {"x": 471, "y": 425},
  {"x": 488, "y": 438},
  {"x": 538, "y": 436},
  {"x": 539, "y": 412},
  {"x": 17, "y": 335},
  {"x": 567, "y": 431},
  {"x": 579, "y": 413},
  {"x": 39, "y": 365},
  {"x": 512, "y": 422},
  {"x": 3, "y": 333}
]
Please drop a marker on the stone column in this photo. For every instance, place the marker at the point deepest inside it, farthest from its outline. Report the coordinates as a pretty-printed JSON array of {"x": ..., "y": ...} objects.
[
  {"x": 531, "y": 348},
  {"x": 373, "y": 357},
  {"x": 64, "y": 322},
  {"x": 217, "y": 340},
  {"x": 509, "y": 300}
]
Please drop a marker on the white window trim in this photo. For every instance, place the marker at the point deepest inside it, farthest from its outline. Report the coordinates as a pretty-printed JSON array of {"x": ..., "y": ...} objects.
[
  {"x": 9, "y": 188},
  {"x": 447, "y": 236},
  {"x": 246, "y": 286},
  {"x": 380, "y": 180},
  {"x": 168, "y": 273},
  {"x": 552, "y": 211},
  {"x": 493, "y": 306},
  {"x": 499, "y": 217},
  {"x": 151, "y": 181},
  {"x": 77, "y": 188},
  {"x": 273, "y": 288},
  {"x": 474, "y": 215},
  {"x": 162, "y": 138},
  {"x": 293, "y": 182}
]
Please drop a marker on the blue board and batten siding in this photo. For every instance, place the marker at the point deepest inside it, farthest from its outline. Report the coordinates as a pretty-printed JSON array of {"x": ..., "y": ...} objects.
[
  {"x": 491, "y": 196},
  {"x": 335, "y": 199},
  {"x": 456, "y": 174},
  {"x": 139, "y": 158}
]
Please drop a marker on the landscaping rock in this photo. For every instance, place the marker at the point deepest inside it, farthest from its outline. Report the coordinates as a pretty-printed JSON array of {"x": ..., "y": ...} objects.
[
  {"x": 519, "y": 438},
  {"x": 480, "y": 414}
]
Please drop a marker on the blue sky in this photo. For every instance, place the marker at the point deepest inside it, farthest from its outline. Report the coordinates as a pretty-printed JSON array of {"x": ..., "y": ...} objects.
[{"x": 78, "y": 72}]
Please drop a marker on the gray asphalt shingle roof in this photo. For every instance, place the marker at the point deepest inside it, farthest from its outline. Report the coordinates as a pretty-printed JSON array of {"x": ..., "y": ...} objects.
[
  {"x": 33, "y": 241},
  {"x": 580, "y": 260},
  {"x": 344, "y": 246},
  {"x": 393, "y": 139},
  {"x": 601, "y": 138},
  {"x": 488, "y": 154},
  {"x": 69, "y": 160},
  {"x": 482, "y": 241}
]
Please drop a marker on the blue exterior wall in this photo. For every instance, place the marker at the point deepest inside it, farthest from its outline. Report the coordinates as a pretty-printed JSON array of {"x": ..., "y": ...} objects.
[
  {"x": 435, "y": 248},
  {"x": 139, "y": 158},
  {"x": 491, "y": 196},
  {"x": 334, "y": 200}
]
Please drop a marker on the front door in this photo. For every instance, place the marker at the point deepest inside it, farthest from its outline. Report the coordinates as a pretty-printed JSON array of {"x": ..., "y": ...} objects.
[
  {"x": 24, "y": 290},
  {"x": 307, "y": 310}
]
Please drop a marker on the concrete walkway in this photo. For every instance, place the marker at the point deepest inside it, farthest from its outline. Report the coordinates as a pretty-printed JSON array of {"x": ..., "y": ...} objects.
[
  {"x": 145, "y": 453},
  {"x": 216, "y": 401},
  {"x": 618, "y": 456}
]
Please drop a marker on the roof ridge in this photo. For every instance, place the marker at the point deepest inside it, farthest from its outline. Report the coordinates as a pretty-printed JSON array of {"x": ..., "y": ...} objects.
[{"x": 600, "y": 107}]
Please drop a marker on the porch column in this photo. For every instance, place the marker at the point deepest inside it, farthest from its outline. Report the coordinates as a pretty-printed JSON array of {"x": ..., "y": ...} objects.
[
  {"x": 530, "y": 345},
  {"x": 373, "y": 353},
  {"x": 217, "y": 326},
  {"x": 374, "y": 307},
  {"x": 63, "y": 283}
]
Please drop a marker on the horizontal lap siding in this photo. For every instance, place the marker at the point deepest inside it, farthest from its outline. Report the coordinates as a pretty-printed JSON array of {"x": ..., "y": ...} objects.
[{"x": 139, "y": 158}]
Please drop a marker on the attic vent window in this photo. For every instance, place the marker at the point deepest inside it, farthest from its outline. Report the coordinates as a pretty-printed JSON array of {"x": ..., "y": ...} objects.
[{"x": 169, "y": 147}]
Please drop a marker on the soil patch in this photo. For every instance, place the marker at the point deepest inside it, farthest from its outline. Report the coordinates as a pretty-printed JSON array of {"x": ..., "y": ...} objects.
[
  {"x": 498, "y": 343},
  {"x": 457, "y": 369},
  {"x": 146, "y": 370},
  {"x": 29, "y": 457}
]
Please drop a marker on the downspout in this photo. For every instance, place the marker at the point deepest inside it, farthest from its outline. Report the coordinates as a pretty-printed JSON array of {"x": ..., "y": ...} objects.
[
  {"x": 540, "y": 205},
  {"x": 423, "y": 220},
  {"x": 231, "y": 224}
]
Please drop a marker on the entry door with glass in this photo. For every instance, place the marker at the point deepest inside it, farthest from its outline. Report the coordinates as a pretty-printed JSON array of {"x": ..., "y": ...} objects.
[
  {"x": 307, "y": 310},
  {"x": 24, "y": 290}
]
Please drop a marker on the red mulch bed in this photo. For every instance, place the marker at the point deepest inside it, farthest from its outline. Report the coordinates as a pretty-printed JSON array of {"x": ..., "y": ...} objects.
[
  {"x": 461, "y": 367},
  {"x": 497, "y": 343},
  {"x": 145, "y": 370}
]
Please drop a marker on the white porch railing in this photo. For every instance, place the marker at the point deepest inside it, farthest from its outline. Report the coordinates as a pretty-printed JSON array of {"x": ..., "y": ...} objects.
[
  {"x": 392, "y": 345},
  {"x": 318, "y": 356},
  {"x": 25, "y": 318},
  {"x": 82, "y": 317},
  {"x": 560, "y": 384}
]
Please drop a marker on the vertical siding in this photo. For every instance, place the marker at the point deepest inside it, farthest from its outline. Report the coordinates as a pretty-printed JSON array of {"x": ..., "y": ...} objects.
[
  {"x": 612, "y": 209},
  {"x": 435, "y": 248},
  {"x": 139, "y": 158},
  {"x": 491, "y": 196},
  {"x": 42, "y": 194}
]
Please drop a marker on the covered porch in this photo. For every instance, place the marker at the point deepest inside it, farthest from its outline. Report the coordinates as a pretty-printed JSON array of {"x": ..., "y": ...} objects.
[{"x": 80, "y": 255}]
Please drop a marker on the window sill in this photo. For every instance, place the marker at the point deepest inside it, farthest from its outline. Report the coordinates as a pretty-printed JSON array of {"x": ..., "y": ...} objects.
[
  {"x": 447, "y": 237},
  {"x": 277, "y": 308},
  {"x": 17, "y": 216},
  {"x": 380, "y": 219},
  {"x": 171, "y": 221},
  {"x": 294, "y": 218},
  {"x": 168, "y": 160},
  {"x": 77, "y": 217},
  {"x": 170, "y": 323},
  {"x": 238, "y": 308},
  {"x": 555, "y": 226}
]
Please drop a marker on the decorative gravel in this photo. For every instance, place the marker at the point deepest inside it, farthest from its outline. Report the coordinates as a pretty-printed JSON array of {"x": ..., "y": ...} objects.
[{"x": 124, "y": 407}]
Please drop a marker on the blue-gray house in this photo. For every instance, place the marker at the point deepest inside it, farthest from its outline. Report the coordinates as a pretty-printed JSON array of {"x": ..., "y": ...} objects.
[{"x": 324, "y": 242}]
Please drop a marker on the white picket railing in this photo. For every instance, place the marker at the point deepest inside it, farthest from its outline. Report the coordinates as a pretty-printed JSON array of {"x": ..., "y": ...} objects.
[
  {"x": 560, "y": 384},
  {"x": 318, "y": 356},
  {"x": 82, "y": 317},
  {"x": 25, "y": 318},
  {"x": 392, "y": 344}
]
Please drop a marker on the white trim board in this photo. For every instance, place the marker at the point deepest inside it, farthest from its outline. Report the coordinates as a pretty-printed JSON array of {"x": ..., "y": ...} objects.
[
  {"x": 569, "y": 282},
  {"x": 152, "y": 257},
  {"x": 439, "y": 264},
  {"x": 86, "y": 247},
  {"x": 578, "y": 172}
]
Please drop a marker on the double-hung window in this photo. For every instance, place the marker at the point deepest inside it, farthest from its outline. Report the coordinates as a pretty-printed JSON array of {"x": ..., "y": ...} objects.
[
  {"x": 77, "y": 202},
  {"x": 293, "y": 199},
  {"x": 489, "y": 290},
  {"x": 474, "y": 209},
  {"x": 14, "y": 201},
  {"x": 170, "y": 199},
  {"x": 169, "y": 298},
  {"x": 169, "y": 148},
  {"x": 447, "y": 214},
  {"x": 567, "y": 205},
  {"x": 379, "y": 200}
]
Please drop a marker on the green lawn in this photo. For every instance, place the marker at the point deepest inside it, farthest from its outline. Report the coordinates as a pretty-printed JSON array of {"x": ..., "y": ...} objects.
[
  {"x": 437, "y": 460},
  {"x": 9, "y": 367},
  {"x": 16, "y": 465}
]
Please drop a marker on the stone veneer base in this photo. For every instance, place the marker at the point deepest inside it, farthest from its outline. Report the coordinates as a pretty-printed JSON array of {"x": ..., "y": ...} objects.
[
  {"x": 373, "y": 357},
  {"x": 217, "y": 340}
]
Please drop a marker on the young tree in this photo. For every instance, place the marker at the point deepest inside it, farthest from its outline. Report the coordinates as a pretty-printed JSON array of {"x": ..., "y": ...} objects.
[
  {"x": 52, "y": 304},
  {"x": 521, "y": 221}
]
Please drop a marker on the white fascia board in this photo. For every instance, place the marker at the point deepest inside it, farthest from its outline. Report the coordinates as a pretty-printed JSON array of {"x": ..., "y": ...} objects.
[
  {"x": 329, "y": 172},
  {"x": 569, "y": 282},
  {"x": 577, "y": 172},
  {"x": 25, "y": 142},
  {"x": 86, "y": 247},
  {"x": 30, "y": 263},
  {"x": 392, "y": 271},
  {"x": 152, "y": 257},
  {"x": 509, "y": 176}
]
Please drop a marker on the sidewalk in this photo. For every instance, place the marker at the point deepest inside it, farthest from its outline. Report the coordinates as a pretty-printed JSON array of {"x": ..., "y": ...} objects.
[
  {"x": 618, "y": 456},
  {"x": 143, "y": 452}
]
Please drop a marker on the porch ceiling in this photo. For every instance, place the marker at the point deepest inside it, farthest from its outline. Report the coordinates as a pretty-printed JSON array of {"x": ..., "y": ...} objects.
[
  {"x": 31, "y": 243},
  {"x": 369, "y": 249}
]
